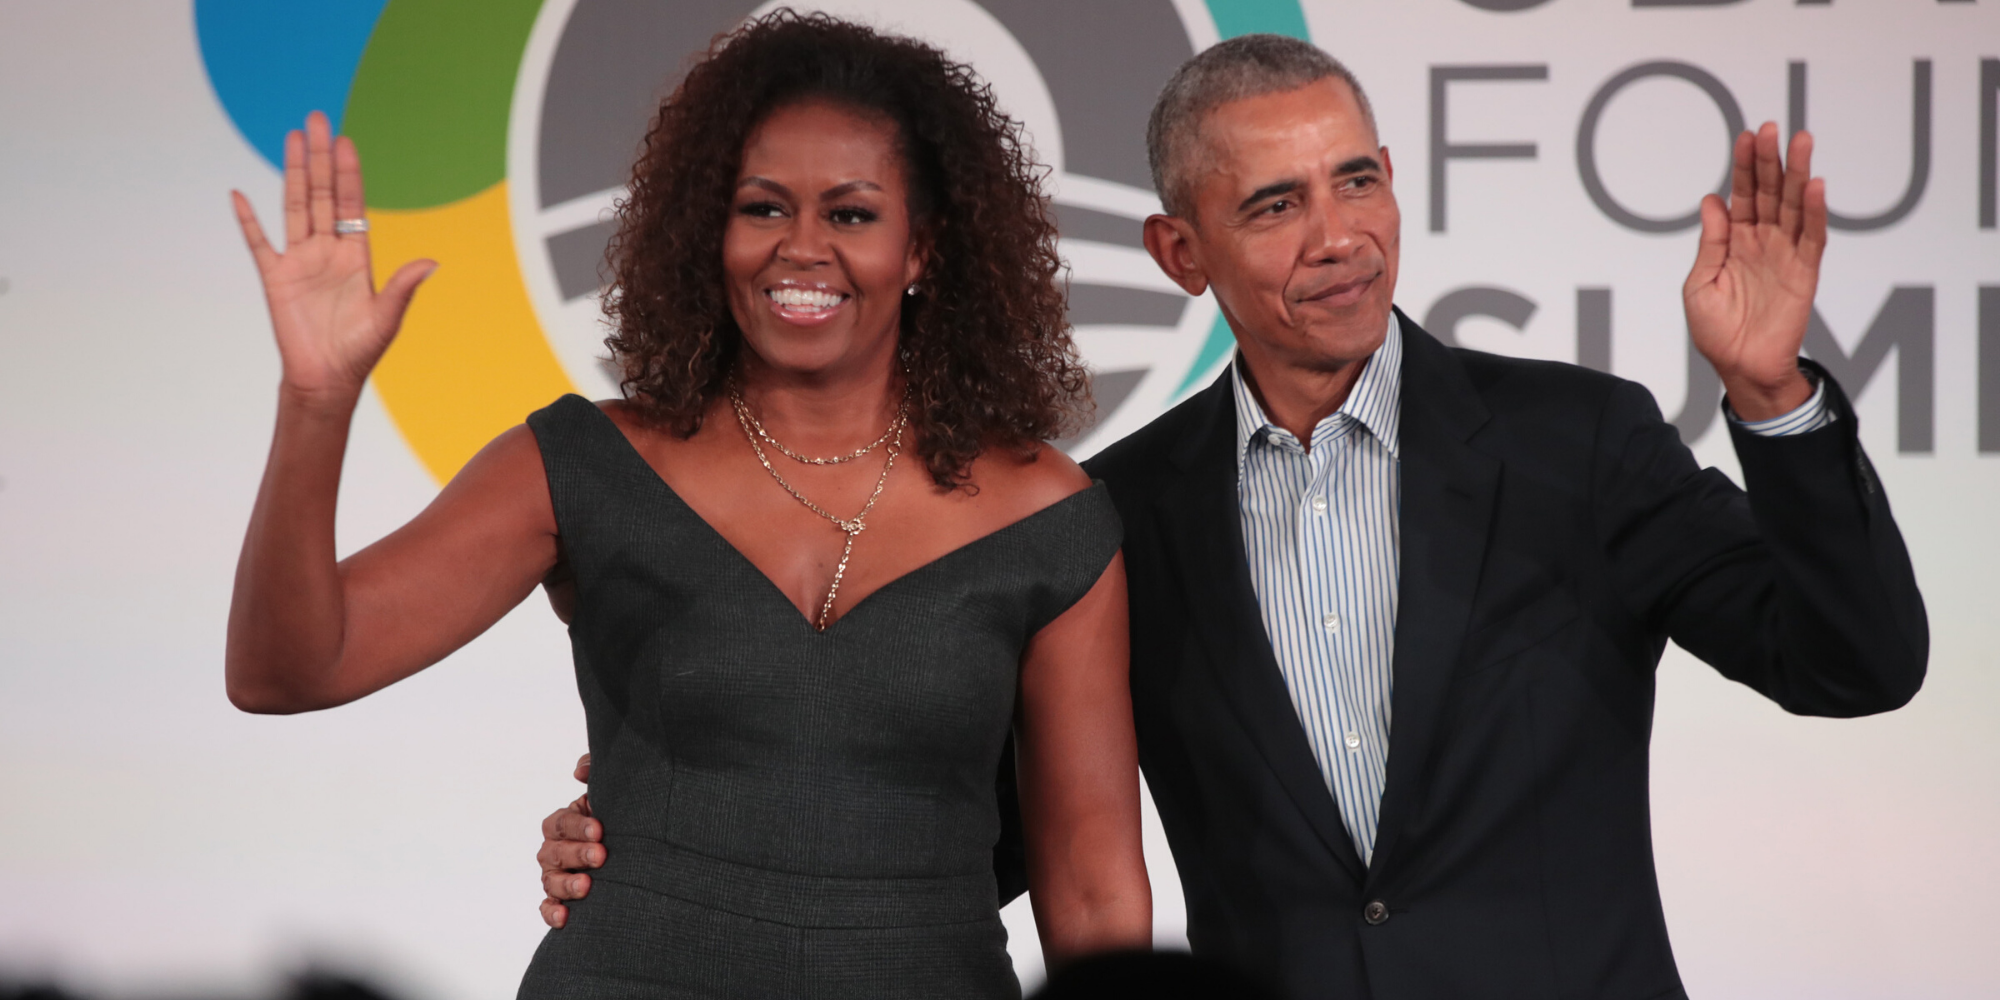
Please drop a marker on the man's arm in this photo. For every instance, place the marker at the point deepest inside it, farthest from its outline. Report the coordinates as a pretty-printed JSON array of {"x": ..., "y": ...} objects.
[
  {"x": 1802, "y": 589},
  {"x": 572, "y": 843}
]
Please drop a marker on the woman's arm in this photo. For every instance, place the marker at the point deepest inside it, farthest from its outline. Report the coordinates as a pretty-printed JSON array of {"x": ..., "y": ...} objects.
[
  {"x": 1079, "y": 773},
  {"x": 308, "y": 632}
]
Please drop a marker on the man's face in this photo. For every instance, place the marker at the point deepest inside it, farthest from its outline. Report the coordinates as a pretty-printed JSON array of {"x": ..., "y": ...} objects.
[{"x": 1295, "y": 225}]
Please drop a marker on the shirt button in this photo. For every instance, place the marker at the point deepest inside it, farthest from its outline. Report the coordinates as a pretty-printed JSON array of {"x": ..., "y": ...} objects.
[
  {"x": 1331, "y": 621},
  {"x": 1354, "y": 741},
  {"x": 1376, "y": 913},
  {"x": 1319, "y": 505}
]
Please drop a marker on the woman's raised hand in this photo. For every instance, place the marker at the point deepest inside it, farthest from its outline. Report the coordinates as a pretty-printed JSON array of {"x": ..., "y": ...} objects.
[{"x": 331, "y": 323}]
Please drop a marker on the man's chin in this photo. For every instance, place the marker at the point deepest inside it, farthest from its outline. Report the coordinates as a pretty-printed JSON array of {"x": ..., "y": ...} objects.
[{"x": 1349, "y": 337}]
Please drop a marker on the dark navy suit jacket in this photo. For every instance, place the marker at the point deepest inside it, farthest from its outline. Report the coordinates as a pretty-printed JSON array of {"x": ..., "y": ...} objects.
[{"x": 1555, "y": 534}]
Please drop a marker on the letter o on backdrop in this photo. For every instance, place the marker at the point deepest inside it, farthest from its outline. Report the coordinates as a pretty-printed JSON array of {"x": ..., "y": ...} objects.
[{"x": 1586, "y": 140}]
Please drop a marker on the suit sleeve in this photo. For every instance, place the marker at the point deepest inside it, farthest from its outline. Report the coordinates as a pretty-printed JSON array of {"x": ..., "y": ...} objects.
[{"x": 1801, "y": 588}]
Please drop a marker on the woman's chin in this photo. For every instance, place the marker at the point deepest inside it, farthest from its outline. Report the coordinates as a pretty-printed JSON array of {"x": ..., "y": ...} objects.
[
  {"x": 810, "y": 363},
  {"x": 812, "y": 355}
]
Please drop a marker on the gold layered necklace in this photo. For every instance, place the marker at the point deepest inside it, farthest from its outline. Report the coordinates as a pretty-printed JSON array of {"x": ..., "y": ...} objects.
[{"x": 754, "y": 432}]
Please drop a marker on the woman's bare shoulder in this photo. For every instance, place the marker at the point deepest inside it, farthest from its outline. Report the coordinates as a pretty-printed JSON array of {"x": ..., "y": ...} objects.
[
  {"x": 504, "y": 479},
  {"x": 640, "y": 427},
  {"x": 623, "y": 413},
  {"x": 516, "y": 450},
  {"x": 511, "y": 454},
  {"x": 1018, "y": 483}
]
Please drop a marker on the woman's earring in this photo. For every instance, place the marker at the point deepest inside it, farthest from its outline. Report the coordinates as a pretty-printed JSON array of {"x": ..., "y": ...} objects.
[{"x": 912, "y": 290}]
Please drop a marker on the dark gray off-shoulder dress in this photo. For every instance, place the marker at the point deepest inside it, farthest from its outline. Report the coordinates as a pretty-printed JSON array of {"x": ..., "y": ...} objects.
[{"x": 789, "y": 812}]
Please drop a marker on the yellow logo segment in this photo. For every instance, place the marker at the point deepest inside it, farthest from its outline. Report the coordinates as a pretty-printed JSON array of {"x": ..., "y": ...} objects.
[{"x": 471, "y": 360}]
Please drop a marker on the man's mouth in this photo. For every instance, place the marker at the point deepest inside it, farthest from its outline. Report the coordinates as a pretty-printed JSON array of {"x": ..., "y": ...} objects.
[{"x": 1345, "y": 293}]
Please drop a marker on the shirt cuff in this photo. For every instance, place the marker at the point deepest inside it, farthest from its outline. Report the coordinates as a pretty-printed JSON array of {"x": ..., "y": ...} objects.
[{"x": 1810, "y": 415}]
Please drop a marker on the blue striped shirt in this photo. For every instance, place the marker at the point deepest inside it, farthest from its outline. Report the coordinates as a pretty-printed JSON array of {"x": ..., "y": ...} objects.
[{"x": 1322, "y": 535}]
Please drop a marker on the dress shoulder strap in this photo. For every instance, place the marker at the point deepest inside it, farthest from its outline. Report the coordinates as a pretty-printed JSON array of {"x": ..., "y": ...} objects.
[
  {"x": 1073, "y": 541},
  {"x": 592, "y": 468}
]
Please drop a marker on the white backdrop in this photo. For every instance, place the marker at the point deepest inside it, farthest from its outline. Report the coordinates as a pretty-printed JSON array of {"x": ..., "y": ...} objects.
[{"x": 153, "y": 840}]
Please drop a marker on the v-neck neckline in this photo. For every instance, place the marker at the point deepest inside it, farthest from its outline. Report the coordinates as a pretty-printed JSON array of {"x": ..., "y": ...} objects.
[{"x": 632, "y": 451}]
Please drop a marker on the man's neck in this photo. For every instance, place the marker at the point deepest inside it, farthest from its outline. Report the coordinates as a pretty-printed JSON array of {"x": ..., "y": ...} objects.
[{"x": 1298, "y": 398}]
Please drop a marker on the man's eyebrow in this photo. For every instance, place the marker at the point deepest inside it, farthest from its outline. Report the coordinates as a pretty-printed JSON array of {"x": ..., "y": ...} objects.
[
  {"x": 1358, "y": 165},
  {"x": 1270, "y": 191},
  {"x": 850, "y": 187}
]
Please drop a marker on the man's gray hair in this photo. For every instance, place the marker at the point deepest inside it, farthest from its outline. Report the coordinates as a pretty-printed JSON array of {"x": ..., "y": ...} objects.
[{"x": 1242, "y": 67}]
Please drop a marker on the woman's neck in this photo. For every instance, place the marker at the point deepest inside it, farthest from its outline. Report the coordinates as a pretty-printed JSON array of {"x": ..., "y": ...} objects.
[{"x": 822, "y": 412}]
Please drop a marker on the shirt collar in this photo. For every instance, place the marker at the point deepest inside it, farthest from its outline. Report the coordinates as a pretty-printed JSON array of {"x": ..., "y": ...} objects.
[{"x": 1375, "y": 402}]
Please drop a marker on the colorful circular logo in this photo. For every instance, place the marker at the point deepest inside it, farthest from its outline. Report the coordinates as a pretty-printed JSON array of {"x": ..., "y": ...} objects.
[{"x": 496, "y": 137}]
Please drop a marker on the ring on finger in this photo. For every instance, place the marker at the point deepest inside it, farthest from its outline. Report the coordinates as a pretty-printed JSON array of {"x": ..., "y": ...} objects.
[{"x": 350, "y": 227}]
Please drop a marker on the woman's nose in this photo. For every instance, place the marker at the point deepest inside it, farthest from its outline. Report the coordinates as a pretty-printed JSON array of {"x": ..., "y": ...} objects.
[{"x": 806, "y": 242}]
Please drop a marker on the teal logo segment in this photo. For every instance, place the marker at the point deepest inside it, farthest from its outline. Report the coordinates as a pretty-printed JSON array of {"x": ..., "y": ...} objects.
[{"x": 270, "y": 63}]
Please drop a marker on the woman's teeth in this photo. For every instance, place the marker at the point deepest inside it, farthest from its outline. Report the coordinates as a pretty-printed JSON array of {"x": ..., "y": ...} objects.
[{"x": 804, "y": 298}]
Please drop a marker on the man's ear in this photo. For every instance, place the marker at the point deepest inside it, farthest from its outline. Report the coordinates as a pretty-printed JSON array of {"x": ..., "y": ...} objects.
[
  {"x": 1388, "y": 168},
  {"x": 1170, "y": 239}
]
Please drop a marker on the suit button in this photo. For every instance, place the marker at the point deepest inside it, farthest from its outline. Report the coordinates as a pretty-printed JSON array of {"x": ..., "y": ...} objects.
[{"x": 1376, "y": 913}]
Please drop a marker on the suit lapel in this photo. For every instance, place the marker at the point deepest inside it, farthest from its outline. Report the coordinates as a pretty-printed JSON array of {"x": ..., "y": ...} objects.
[
  {"x": 1204, "y": 538},
  {"x": 1447, "y": 508}
]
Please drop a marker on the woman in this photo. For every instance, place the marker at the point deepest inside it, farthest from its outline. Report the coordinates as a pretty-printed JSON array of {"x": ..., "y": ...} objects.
[{"x": 814, "y": 564}]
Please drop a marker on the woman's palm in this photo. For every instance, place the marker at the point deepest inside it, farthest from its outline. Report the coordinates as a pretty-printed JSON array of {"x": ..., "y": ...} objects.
[{"x": 331, "y": 323}]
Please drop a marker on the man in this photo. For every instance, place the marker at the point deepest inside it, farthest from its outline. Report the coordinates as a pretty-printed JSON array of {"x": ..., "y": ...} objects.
[{"x": 1396, "y": 608}]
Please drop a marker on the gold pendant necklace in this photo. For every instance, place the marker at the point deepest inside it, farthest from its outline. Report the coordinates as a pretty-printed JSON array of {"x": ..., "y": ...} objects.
[{"x": 893, "y": 438}]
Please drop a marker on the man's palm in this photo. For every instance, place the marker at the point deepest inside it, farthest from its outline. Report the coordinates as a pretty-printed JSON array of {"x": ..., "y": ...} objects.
[{"x": 1749, "y": 296}]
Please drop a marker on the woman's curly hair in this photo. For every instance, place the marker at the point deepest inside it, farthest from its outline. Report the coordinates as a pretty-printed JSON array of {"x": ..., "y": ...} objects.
[{"x": 985, "y": 341}]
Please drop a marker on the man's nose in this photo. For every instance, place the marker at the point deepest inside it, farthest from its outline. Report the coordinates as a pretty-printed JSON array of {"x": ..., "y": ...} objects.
[{"x": 1331, "y": 237}]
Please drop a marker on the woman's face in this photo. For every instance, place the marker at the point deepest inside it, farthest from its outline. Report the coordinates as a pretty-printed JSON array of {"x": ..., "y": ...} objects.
[{"x": 820, "y": 246}]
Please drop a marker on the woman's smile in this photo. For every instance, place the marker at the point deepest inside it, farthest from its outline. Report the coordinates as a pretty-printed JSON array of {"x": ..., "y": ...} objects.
[{"x": 805, "y": 303}]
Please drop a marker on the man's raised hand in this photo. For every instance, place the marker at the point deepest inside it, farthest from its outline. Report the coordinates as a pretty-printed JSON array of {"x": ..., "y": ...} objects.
[
  {"x": 331, "y": 323},
  {"x": 571, "y": 842},
  {"x": 1750, "y": 294}
]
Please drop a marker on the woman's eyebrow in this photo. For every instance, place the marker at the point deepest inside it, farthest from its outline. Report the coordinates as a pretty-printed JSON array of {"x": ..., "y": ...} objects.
[
  {"x": 849, "y": 188},
  {"x": 765, "y": 183}
]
